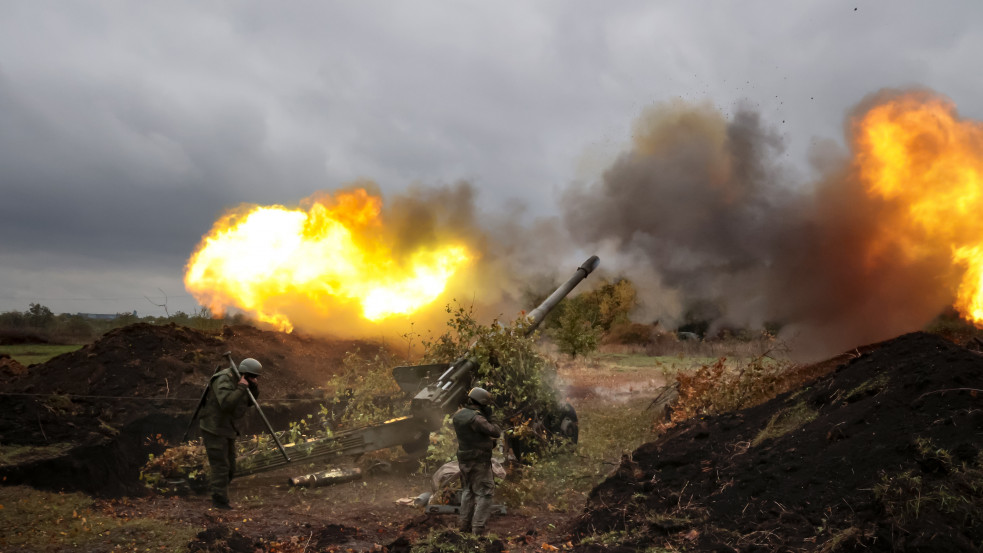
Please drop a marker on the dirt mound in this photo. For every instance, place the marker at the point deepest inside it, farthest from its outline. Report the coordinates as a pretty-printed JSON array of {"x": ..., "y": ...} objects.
[
  {"x": 9, "y": 367},
  {"x": 173, "y": 361},
  {"x": 883, "y": 455},
  {"x": 148, "y": 379}
]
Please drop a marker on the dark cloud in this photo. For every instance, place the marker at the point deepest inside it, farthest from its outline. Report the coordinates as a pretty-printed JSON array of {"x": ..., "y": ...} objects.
[{"x": 126, "y": 130}]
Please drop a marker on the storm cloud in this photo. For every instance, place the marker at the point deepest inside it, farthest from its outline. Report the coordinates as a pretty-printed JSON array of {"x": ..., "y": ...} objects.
[{"x": 127, "y": 129}]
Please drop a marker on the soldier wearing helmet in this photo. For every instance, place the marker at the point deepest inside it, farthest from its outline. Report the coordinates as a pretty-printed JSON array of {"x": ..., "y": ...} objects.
[
  {"x": 226, "y": 402},
  {"x": 476, "y": 437}
]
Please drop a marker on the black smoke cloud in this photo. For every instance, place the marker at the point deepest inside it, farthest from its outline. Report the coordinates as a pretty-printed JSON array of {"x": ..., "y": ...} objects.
[{"x": 700, "y": 210}]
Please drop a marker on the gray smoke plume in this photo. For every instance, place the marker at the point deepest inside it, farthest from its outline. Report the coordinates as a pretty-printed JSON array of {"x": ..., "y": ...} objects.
[{"x": 700, "y": 211}]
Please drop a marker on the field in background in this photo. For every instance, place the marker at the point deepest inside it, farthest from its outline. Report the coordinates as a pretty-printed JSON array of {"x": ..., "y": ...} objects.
[
  {"x": 621, "y": 372},
  {"x": 29, "y": 354}
]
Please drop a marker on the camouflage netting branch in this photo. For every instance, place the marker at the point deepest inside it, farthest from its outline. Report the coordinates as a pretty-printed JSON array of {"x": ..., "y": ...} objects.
[
  {"x": 522, "y": 381},
  {"x": 177, "y": 467}
]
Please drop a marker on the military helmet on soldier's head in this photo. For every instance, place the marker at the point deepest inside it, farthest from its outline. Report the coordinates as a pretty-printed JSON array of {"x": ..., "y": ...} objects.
[
  {"x": 250, "y": 366},
  {"x": 480, "y": 396}
]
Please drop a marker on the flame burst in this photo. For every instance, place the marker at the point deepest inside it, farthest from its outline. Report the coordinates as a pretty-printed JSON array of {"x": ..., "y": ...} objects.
[
  {"x": 330, "y": 255},
  {"x": 915, "y": 152}
]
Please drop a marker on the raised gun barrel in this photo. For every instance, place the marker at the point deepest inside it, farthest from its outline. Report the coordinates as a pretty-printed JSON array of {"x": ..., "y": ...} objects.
[
  {"x": 448, "y": 391},
  {"x": 537, "y": 315}
]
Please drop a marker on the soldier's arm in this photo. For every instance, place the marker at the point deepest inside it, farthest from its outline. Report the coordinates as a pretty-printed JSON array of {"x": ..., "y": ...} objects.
[
  {"x": 228, "y": 393},
  {"x": 481, "y": 424}
]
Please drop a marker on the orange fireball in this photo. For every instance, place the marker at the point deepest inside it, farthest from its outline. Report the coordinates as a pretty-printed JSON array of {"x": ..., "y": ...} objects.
[
  {"x": 915, "y": 153},
  {"x": 330, "y": 254}
]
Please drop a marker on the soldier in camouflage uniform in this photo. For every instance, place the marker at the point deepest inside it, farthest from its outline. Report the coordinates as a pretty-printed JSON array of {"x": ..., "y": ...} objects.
[
  {"x": 226, "y": 402},
  {"x": 476, "y": 438}
]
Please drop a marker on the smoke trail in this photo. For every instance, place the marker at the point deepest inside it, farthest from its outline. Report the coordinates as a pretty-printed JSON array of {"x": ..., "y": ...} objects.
[{"x": 701, "y": 209}]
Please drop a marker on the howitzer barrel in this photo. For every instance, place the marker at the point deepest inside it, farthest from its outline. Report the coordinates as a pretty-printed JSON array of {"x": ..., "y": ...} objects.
[
  {"x": 537, "y": 315},
  {"x": 448, "y": 391}
]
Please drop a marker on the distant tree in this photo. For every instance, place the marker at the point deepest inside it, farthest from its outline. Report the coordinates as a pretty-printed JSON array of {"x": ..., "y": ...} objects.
[
  {"x": 615, "y": 300},
  {"x": 578, "y": 330},
  {"x": 125, "y": 319},
  {"x": 611, "y": 304},
  {"x": 38, "y": 316},
  {"x": 180, "y": 318},
  {"x": 75, "y": 326},
  {"x": 12, "y": 319}
]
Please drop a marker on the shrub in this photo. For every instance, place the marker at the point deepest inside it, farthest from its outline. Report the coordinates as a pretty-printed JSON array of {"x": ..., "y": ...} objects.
[
  {"x": 717, "y": 388},
  {"x": 578, "y": 331},
  {"x": 521, "y": 380},
  {"x": 631, "y": 334}
]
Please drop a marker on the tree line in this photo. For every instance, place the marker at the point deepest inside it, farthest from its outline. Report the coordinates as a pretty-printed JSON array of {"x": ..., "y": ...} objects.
[{"x": 41, "y": 324}]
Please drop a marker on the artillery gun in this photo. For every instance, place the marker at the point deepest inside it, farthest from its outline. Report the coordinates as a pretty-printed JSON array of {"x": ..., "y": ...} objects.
[{"x": 437, "y": 389}]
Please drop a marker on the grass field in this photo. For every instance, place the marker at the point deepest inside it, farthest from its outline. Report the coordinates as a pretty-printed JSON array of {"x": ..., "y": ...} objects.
[{"x": 29, "y": 354}]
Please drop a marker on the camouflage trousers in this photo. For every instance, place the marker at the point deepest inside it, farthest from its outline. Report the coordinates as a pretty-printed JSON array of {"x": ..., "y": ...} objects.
[
  {"x": 221, "y": 453},
  {"x": 477, "y": 486}
]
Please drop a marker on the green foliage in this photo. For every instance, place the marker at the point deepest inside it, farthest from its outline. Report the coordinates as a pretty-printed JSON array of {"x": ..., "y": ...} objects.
[
  {"x": 38, "y": 316},
  {"x": 578, "y": 329},
  {"x": 577, "y": 323},
  {"x": 785, "y": 421},
  {"x": 608, "y": 305},
  {"x": 521, "y": 380},
  {"x": 442, "y": 447},
  {"x": 614, "y": 302},
  {"x": 44, "y": 326},
  {"x": 184, "y": 462},
  {"x": 364, "y": 392}
]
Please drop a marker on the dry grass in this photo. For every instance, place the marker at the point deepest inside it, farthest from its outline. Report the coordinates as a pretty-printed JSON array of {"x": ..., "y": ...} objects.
[{"x": 36, "y": 520}]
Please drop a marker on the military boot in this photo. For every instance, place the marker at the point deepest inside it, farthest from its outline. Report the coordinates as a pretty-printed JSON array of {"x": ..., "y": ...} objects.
[{"x": 219, "y": 502}]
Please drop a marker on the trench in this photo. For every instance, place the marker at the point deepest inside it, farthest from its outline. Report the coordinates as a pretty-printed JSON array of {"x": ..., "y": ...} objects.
[{"x": 111, "y": 468}]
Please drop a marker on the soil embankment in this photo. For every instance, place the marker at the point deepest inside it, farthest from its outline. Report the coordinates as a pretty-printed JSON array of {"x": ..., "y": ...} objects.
[{"x": 883, "y": 454}]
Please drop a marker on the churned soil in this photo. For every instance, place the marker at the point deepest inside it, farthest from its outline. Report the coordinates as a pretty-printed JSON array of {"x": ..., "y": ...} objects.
[{"x": 882, "y": 454}]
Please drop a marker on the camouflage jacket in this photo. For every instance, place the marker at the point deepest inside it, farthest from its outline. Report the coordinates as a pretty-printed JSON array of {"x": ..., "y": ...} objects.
[
  {"x": 226, "y": 402},
  {"x": 475, "y": 435}
]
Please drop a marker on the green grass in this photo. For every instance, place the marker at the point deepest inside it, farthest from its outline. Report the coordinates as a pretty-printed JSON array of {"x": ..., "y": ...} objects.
[
  {"x": 561, "y": 482},
  {"x": 34, "y": 520},
  {"x": 29, "y": 354},
  {"x": 785, "y": 421}
]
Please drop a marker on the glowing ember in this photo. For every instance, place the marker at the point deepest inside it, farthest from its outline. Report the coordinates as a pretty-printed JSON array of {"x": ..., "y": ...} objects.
[
  {"x": 333, "y": 253},
  {"x": 915, "y": 152}
]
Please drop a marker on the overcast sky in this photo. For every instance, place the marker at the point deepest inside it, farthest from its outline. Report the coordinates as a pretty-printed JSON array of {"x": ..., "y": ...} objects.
[{"x": 126, "y": 128}]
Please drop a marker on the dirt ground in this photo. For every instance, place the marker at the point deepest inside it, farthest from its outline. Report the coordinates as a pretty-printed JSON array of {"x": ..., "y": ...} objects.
[
  {"x": 900, "y": 417},
  {"x": 883, "y": 454}
]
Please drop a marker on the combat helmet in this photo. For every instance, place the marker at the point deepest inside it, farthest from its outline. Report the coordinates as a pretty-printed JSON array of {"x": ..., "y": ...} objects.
[
  {"x": 480, "y": 396},
  {"x": 250, "y": 366}
]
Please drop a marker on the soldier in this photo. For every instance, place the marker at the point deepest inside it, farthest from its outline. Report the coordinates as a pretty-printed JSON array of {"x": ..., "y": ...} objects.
[
  {"x": 226, "y": 402},
  {"x": 475, "y": 441}
]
